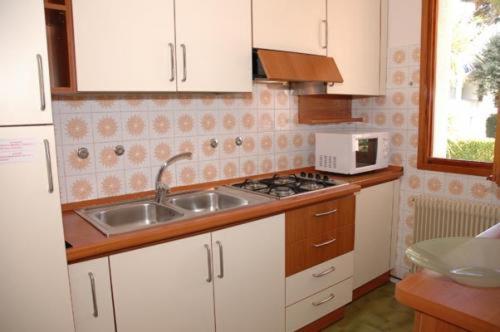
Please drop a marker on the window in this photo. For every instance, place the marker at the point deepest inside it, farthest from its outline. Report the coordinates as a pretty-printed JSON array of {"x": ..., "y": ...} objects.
[{"x": 460, "y": 87}]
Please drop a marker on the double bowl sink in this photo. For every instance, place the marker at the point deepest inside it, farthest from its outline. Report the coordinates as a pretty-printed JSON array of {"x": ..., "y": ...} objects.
[{"x": 134, "y": 215}]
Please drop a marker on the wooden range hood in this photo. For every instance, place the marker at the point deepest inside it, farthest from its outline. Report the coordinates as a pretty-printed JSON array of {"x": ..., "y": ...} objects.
[{"x": 295, "y": 67}]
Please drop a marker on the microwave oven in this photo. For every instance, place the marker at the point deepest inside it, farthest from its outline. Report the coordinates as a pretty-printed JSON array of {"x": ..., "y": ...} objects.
[{"x": 351, "y": 152}]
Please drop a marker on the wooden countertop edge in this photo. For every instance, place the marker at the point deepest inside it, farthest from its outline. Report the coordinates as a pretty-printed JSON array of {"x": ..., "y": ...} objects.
[
  {"x": 423, "y": 304},
  {"x": 197, "y": 225},
  {"x": 409, "y": 292}
]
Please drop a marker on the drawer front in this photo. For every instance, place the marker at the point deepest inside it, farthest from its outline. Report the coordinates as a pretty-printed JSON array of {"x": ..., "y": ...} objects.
[
  {"x": 314, "y": 220},
  {"x": 308, "y": 282},
  {"x": 318, "y": 305},
  {"x": 313, "y": 251}
]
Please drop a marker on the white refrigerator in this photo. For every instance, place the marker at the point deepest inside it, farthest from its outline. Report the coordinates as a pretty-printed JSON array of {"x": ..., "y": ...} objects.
[{"x": 34, "y": 285}]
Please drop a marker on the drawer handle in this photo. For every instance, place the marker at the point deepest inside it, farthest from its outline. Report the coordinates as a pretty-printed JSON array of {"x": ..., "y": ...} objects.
[
  {"x": 329, "y": 298},
  {"x": 321, "y": 214},
  {"x": 324, "y": 273},
  {"x": 318, "y": 245}
]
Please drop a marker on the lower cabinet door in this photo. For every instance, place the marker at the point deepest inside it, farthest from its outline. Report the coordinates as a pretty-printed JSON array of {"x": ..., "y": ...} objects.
[
  {"x": 249, "y": 272},
  {"x": 91, "y": 296},
  {"x": 166, "y": 287}
]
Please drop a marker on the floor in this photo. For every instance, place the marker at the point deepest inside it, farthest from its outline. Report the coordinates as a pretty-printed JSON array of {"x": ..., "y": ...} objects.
[{"x": 377, "y": 311}]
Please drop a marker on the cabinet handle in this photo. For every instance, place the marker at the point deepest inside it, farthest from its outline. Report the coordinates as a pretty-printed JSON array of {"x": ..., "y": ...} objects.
[
  {"x": 324, "y": 243},
  {"x": 209, "y": 261},
  {"x": 324, "y": 273},
  {"x": 41, "y": 84},
  {"x": 184, "y": 65},
  {"x": 94, "y": 298},
  {"x": 329, "y": 298},
  {"x": 171, "y": 62},
  {"x": 324, "y": 24},
  {"x": 221, "y": 260},
  {"x": 325, "y": 213},
  {"x": 49, "y": 165}
]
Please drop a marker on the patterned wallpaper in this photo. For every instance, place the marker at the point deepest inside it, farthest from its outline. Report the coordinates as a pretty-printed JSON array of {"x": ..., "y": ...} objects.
[
  {"x": 154, "y": 127},
  {"x": 397, "y": 112}
]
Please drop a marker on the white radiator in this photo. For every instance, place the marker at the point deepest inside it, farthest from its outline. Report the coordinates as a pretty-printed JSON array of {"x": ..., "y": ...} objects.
[{"x": 440, "y": 217}]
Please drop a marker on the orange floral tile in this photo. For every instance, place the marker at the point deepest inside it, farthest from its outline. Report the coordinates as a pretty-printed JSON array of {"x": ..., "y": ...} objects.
[
  {"x": 111, "y": 185},
  {"x": 108, "y": 157},
  {"x": 81, "y": 189},
  {"x": 77, "y": 128}
]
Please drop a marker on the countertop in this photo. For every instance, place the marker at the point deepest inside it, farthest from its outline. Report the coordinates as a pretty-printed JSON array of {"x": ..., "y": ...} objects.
[
  {"x": 473, "y": 309},
  {"x": 87, "y": 242}
]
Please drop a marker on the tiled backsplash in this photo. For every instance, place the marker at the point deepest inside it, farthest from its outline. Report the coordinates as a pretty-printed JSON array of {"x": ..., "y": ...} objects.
[{"x": 154, "y": 127}]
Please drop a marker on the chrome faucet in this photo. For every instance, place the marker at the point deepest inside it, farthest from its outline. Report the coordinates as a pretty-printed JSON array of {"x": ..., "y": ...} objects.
[{"x": 162, "y": 188}]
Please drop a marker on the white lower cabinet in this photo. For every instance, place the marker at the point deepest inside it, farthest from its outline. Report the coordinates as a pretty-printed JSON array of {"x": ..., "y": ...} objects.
[
  {"x": 91, "y": 296},
  {"x": 376, "y": 216},
  {"x": 317, "y": 291},
  {"x": 232, "y": 279},
  {"x": 249, "y": 281},
  {"x": 318, "y": 305},
  {"x": 317, "y": 278}
]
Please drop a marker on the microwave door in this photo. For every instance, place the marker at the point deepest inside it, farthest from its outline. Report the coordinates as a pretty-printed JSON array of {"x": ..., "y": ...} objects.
[{"x": 366, "y": 152}]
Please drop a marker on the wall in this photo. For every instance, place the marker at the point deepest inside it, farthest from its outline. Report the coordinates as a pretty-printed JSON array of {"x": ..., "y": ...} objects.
[
  {"x": 397, "y": 112},
  {"x": 154, "y": 127}
]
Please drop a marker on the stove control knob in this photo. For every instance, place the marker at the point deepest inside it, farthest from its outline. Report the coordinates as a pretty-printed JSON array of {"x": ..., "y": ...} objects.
[
  {"x": 310, "y": 175},
  {"x": 318, "y": 176},
  {"x": 303, "y": 174},
  {"x": 326, "y": 178}
]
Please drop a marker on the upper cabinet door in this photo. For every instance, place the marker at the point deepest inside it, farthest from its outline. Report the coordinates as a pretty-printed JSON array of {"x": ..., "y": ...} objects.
[
  {"x": 357, "y": 39},
  {"x": 249, "y": 276},
  {"x": 290, "y": 25},
  {"x": 24, "y": 73},
  {"x": 124, "y": 45},
  {"x": 214, "y": 49}
]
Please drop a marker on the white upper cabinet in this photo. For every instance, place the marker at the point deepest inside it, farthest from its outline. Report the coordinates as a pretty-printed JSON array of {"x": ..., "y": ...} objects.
[
  {"x": 290, "y": 25},
  {"x": 162, "y": 45},
  {"x": 124, "y": 45},
  {"x": 249, "y": 276},
  {"x": 357, "y": 40},
  {"x": 24, "y": 71},
  {"x": 214, "y": 47}
]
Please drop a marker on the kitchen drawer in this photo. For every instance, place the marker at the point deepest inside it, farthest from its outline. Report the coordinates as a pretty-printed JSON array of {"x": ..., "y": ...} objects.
[
  {"x": 313, "y": 251},
  {"x": 314, "y": 220},
  {"x": 316, "y": 278},
  {"x": 311, "y": 308}
]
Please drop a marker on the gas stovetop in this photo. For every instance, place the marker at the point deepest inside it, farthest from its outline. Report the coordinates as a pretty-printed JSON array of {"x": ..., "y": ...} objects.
[{"x": 291, "y": 185}]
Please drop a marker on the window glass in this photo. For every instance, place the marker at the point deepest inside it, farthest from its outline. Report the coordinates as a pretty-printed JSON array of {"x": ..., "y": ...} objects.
[{"x": 467, "y": 80}]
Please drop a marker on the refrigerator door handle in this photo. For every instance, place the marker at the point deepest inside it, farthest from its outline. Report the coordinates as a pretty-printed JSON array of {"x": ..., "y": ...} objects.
[{"x": 49, "y": 165}]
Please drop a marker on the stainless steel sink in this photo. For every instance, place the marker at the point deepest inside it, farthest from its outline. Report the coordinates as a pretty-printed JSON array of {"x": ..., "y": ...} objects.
[
  {"x": 207, "y": 201},
  {"x": 120, "y": 218},
  {"x": 130, "y": 216}
]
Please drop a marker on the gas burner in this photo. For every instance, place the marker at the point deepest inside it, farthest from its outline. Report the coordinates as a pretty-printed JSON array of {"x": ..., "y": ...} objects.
[
  {"x": 281, "y": 191},
  {"x": 286, "y": 186},
  {"x": 283, "y": 181},
  {"x": 253, "y": 185},
  {"x": 310, "y": 186}
]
